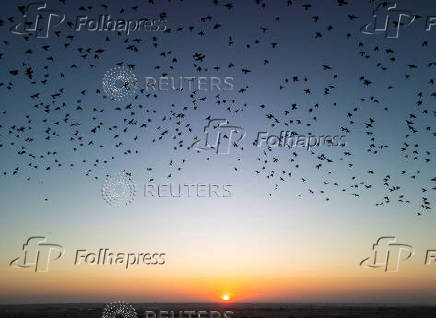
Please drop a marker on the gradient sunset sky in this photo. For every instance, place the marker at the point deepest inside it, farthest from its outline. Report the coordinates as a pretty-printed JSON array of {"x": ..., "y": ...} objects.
[{"x": 290, "y": 246}]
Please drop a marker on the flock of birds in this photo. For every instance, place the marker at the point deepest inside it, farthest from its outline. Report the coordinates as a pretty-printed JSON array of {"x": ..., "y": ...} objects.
[{"x": 63, "y": 114}]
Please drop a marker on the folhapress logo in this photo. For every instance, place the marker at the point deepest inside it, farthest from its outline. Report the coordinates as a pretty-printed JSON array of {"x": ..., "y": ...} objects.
[
  {"x": 218, "y": 137},
  {"x": 388, "y": 254},
  {"x": 387, "y": 19},
  {"x": 38, "y": 20},
  {"x": 38, "y": 254}
]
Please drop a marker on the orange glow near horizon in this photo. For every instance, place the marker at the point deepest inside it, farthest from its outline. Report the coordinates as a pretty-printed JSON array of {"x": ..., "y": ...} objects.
[{"x": 211, "y": 289}]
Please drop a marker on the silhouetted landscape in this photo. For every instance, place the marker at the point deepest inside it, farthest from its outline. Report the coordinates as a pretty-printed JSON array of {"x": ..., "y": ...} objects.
[{"x": 239, "y": 310}]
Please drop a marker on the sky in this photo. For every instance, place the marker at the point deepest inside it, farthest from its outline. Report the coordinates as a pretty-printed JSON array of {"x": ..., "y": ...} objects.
[{"x": 272, "y": 240}]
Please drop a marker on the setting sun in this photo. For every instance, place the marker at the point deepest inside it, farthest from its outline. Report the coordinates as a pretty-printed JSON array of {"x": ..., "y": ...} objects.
[{"x": 226, "y": 297}]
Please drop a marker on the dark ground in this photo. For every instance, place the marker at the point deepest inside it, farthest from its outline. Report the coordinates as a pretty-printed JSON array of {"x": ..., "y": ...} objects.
[{"x": 239, "y": 310}]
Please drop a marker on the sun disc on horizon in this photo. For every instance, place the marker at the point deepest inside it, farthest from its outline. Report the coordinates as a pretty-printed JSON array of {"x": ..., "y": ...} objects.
[{"x": 225, "y": 297}]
